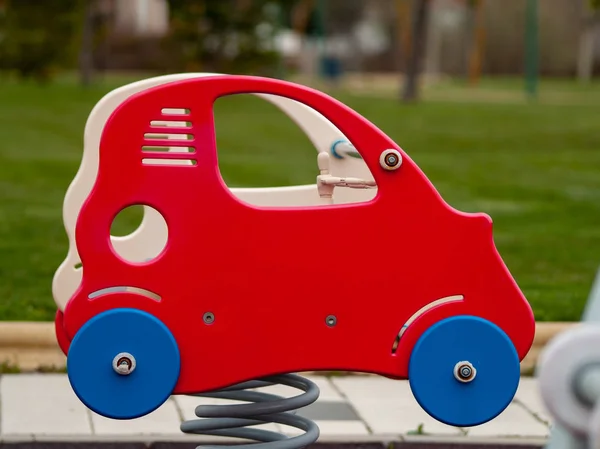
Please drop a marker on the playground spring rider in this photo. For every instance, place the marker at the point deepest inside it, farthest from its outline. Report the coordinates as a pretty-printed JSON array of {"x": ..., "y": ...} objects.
[
  {"x": 569, "y": 378},
  {"x": 242, "y": 289}
]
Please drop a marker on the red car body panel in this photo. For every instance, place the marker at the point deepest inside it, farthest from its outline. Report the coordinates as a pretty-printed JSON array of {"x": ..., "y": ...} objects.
[{"x": 272, "y": 275}]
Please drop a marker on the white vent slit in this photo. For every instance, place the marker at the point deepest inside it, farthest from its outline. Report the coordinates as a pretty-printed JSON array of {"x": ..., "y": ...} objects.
[
  {"x": 177, "y": 162},
  {"x": 167, "y": 149},
  {"x": 170, "y": 124},
  {"x": 168, "y": 130},
  {"x": 160, "y": 136},
  {"x": 175, "y": 111}
]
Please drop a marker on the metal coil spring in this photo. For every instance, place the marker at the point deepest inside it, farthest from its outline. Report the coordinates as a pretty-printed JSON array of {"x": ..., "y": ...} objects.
[{"x": 234, "y": 420}]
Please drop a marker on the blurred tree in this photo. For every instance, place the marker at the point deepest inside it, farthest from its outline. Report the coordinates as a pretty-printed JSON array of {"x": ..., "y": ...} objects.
[
  {"x": 86, "y": 54},
  {"x": 477, "y": 24},
  {"x": 338, "y": 16},
  {"x": 102, "y": 24},
  {"x": 229, "y": 36},
  {"x": 417, "y": 49},
  {"x": 38, "y": 36},
  {"x": 532, "y": 48},
  {"x": 301, "y": 15},
  {"x": 591, "y": 23},
  {"x": 404, "y": 28},
  {"x": 3, "y": 55}
]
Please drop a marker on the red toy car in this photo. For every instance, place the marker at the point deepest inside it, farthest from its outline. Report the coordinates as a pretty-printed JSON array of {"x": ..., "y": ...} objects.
[{"x": 242, "y": 291}]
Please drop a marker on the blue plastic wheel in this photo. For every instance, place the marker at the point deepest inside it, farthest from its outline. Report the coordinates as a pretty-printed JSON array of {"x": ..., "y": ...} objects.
[
  {"x": 464, "y": 371},
  {"x": 123, "y": 363}
]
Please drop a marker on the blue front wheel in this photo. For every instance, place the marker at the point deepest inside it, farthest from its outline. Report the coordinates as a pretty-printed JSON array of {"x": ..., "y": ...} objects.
[
  {"x": 464, "y": 371},
  {"x": 123, "y": 363}
]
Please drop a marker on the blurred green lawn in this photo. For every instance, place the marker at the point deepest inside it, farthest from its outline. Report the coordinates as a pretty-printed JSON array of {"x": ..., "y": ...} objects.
[{"x": 533, "y": 166}]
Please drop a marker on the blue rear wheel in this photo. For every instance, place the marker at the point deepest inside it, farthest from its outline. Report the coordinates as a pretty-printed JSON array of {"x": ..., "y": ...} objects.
[
  {"x": 123, "y": 363},
  {"x": 464, "y": 371}
]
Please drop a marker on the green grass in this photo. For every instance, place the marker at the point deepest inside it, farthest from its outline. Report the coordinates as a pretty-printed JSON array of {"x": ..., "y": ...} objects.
[
  {"x": 511, "y": 90},
  {"x": 533, "y": 166}
]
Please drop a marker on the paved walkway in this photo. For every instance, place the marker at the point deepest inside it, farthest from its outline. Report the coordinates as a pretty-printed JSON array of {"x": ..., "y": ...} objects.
[{"x": 42, "y": 407}]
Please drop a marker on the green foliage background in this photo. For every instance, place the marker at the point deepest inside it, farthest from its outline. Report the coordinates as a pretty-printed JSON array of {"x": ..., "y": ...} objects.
[
  {"x": 38, "y": 37},
  {"x": 202, "y": 34}
]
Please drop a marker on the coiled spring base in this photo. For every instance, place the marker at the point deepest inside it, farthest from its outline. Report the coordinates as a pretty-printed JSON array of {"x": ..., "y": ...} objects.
[{"x": 236, "y": 420}]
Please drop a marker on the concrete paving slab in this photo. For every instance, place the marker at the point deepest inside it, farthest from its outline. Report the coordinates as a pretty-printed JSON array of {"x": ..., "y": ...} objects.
[
  {"x": 387, "y": 406},
  {"x": 515, "y": 421},
  {"x": 529, "y": 396},
  {"x": 43, "y": 407},
  {"x": 163, "y": 421},
  {"x": 333, "y": 427},
  {"x": 329, "y": 411},
  {"x": 35, "y": 404}
]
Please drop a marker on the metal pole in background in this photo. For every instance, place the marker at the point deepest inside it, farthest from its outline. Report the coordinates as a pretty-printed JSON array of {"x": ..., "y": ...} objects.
[
  {"x": 420, "y": 21},
  {"x": 531, "y": 49},
  {"x": 320, "y": 29}
]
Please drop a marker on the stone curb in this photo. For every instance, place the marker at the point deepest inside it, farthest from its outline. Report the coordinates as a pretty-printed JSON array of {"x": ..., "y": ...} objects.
[{"x": 31, "y": 346}]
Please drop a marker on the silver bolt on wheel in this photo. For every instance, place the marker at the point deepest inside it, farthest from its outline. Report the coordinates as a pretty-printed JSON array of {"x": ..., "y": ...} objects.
[
  {"x": 124, "y": 363},
  {"x": 464, "y": 371}
]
